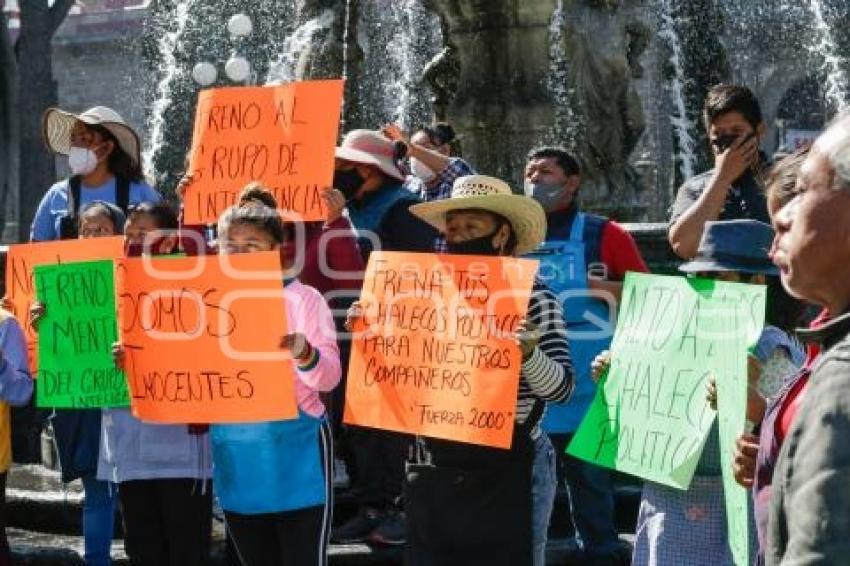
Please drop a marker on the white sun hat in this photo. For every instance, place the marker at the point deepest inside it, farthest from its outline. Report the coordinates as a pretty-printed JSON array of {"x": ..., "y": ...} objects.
[
  {"x": 57, "y": 125},
  {"x": 372, "y": 148},
  {"x": 527, "y": 217}
]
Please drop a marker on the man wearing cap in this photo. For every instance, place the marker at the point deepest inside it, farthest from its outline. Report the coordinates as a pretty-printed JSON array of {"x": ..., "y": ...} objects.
[
  {"x": 378, "y": 206},
  {"x": 809, "y": 517},
  {"x": 105, "y": 160},
  {"x": 583, "y": 260}
]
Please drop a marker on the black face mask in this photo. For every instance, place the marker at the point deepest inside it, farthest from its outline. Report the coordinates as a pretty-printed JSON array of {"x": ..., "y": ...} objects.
[
  {"x": 348, "y": 182},
  {"x": 476, "y": 246}
]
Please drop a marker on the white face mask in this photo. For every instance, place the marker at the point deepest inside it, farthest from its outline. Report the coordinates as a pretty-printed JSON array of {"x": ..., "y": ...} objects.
[
  {"x": 421, "y": 170},
  {"x": 82, "y": 160}
]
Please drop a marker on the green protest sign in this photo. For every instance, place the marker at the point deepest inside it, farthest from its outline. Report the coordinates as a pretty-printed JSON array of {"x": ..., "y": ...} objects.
[
  {"x": 731, "y": 414},
  {"x": 75, "y": 337},
  {"x": 650, "y": 417}
]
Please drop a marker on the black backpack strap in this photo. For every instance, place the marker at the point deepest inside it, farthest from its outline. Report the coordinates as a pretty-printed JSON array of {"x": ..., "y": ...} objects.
[
  {"x": 122, "y": 193},
  {"x": 74, "y": 184}
]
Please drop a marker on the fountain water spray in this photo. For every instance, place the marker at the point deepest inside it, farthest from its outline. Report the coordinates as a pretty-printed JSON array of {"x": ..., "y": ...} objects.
[
  {"x": 398, "y": 39},
  {"x": 682, "y": 124},
  {"x": 168, "y": 45},
  {"x": 837, "y": 84},
  {"x": 567, "y": 126},
  {"x": 284, "y": 69}
]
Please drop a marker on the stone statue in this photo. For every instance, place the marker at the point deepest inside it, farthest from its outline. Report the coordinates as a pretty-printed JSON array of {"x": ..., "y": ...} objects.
[
  {"x": 494, "y": 72},
  {"x": 612, "y": 112}
]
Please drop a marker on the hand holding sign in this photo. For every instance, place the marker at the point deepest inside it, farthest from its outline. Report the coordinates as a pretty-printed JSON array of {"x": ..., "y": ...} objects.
[
  {"x": 119, "y": 355},
  {"x": 298, "y": 345},
  {"x": 527, "y": 338},
  {"x": 334, "y": 202},
  {"x": 37, "y": 312},
  {"x": 600, "y": 365}
]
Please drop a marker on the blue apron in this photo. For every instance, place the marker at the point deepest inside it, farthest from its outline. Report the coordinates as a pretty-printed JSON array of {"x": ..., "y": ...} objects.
[
  {"x": 268, "y": 467},
  {"x": 563, "y": 268}
]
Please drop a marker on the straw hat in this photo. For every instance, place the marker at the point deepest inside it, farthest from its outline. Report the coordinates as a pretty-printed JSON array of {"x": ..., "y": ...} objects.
[
  {"x": 372, "y": 148},
  {"x": 57, "y": 125},
  {"x": 527, "y": 218}
]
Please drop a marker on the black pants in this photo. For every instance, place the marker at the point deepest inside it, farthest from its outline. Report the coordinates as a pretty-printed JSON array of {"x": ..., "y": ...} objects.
[
  {"x": 380, "y": 456},
  {"x": 288, "y": 538},
  {"x": 591, "y": 493},
  {"x": 474, "y": 517},
  {"x": 167, "y": 522},
  {"x": 291, "y": 538}
]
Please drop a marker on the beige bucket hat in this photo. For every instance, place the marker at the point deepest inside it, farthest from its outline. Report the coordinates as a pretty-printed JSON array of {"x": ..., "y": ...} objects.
[
  {"x": 527, "y": 217},
  {"x": 57, "y": 125},
  {"x": 372, "y": 148}
]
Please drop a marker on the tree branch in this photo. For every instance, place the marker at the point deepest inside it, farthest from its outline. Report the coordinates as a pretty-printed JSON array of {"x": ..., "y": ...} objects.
[{"x": 58, "y": 12}]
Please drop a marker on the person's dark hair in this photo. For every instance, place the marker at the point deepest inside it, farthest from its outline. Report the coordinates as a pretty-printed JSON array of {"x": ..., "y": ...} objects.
[
  {"x": 725, "y": 98},
  {"x": 256, "y": 193},
  {"x": 256, "y": 207},
  {"x": 120, "y": 164},
  {"x": 565, "y": 160},
  {"x": 161, "y": 213},
  {"x": 782, "y": 180},
  {"x": 439, "y": 133},
  {"x": 107, "y": 210}
]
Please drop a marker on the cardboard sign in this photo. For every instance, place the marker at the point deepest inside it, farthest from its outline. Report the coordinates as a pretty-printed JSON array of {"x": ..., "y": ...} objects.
[
  {"x": 651, "y": 418},
  {"x": 283, "y": 136},
  {"x": 75, "y": 365},
  {"x": 22, "y": 259},
  {"x": 201, "y": 337},
  {"x": 435, "y": 352}
]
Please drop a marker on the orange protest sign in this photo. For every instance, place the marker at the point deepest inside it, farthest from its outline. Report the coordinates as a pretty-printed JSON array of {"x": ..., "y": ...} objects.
[
  {"x": 201, "y": 338},
  {"x": 283, "y": 136},
  {"x": 21, "y": 260},
  {"x": 435, "y": 353}
]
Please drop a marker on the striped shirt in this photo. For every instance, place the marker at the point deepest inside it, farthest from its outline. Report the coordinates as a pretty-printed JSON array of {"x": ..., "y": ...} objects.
[{"x": 547, "y": 374}]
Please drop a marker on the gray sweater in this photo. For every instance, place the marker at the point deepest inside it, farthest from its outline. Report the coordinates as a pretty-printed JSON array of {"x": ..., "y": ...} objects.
[{"x": 810, "y": 510}]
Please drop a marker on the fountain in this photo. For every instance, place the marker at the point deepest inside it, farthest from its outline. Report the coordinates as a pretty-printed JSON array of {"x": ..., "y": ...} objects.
[
  {"x": 682, "y": 123},
  {"x": 619, "y": 82},
  {"x": 837, "y": 85}
]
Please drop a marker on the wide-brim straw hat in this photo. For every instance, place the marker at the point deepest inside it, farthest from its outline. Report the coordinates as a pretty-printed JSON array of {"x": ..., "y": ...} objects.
[
  {"x": 57, "y": 125},
  {"x": 527, "y": 217},
  {"x": 372, "y": 148}
]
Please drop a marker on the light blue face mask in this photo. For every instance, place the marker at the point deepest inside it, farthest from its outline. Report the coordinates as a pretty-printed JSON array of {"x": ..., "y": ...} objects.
[{"x": 547, "y": 194}]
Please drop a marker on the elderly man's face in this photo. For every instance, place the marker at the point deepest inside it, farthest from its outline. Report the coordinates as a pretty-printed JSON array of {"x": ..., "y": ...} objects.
[{"x": 812, "y": 244}]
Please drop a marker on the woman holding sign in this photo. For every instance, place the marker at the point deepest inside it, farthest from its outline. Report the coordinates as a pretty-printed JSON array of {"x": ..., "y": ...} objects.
[
  {"x": 274, "y": 479},
  {"x": 471, "y": 504}
]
